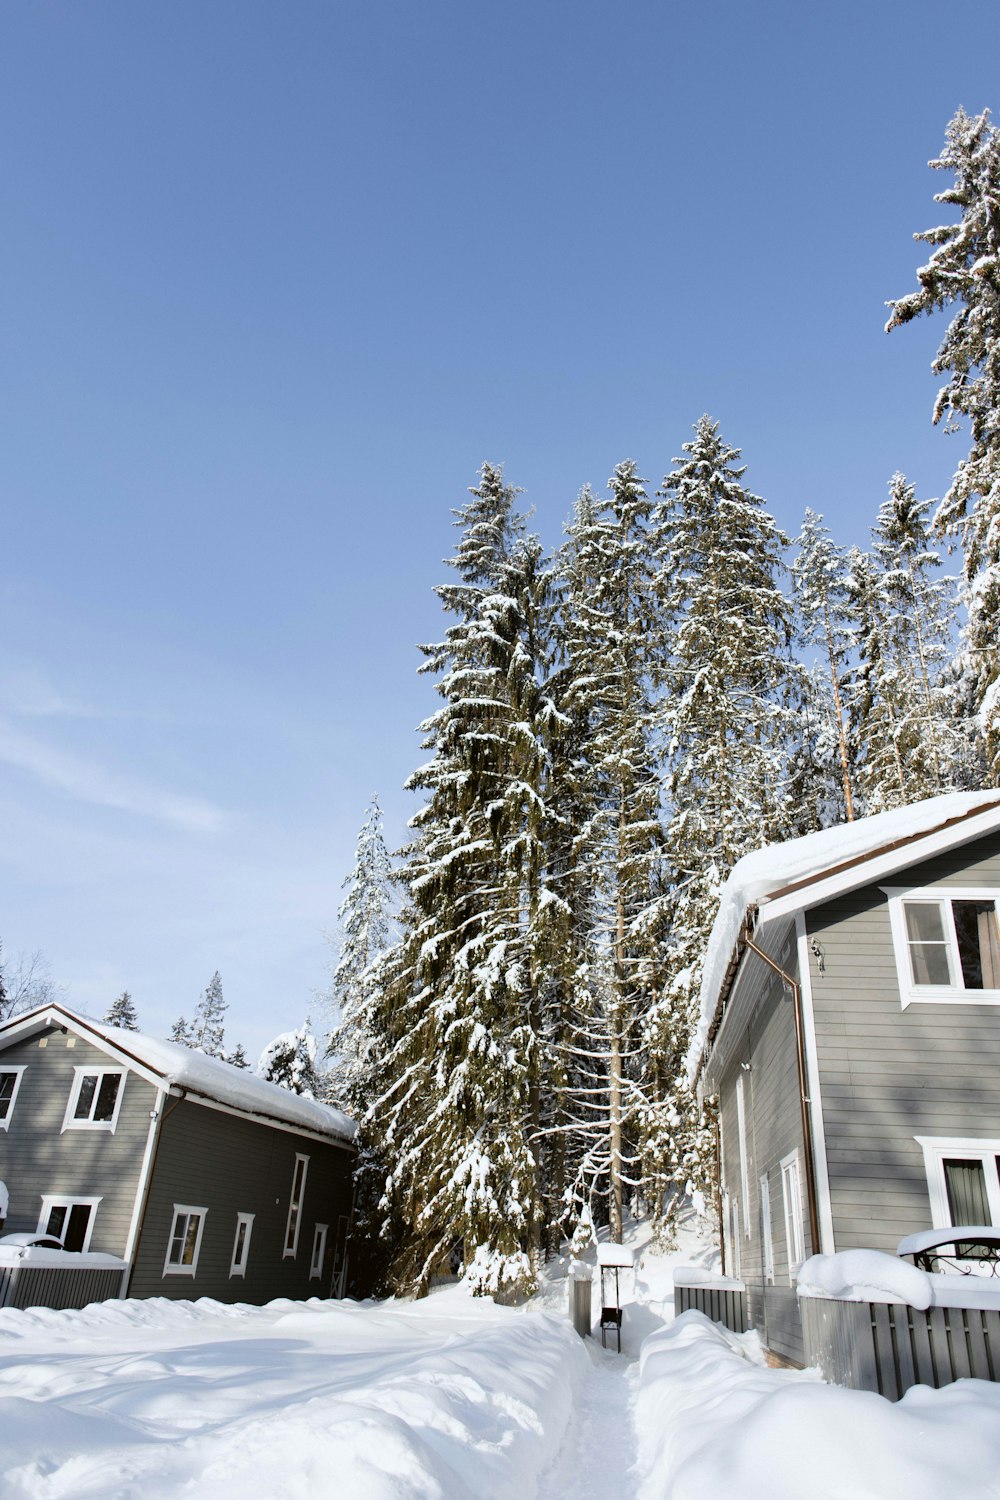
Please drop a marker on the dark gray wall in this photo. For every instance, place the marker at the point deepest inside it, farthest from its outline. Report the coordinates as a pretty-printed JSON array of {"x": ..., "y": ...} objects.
[
  {"x": 228, "y": 1165},
  {"x": 759, "y": 1030},
  {"x": 37, "y": 1157},
  {"x": 888, "y": 1074}
]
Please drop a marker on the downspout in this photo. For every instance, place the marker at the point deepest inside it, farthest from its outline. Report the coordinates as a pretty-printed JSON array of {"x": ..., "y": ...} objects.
[
  {"x": 804, "y": 1101},
  {"x": 148, "y": 1186}
]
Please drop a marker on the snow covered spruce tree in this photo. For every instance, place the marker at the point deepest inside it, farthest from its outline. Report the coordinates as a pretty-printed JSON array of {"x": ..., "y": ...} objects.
[
  {"x": 964, "y": 273},
  {"x": 290, "y": 1062},
  {"x": 121, "y": 1013},
  {"x": 819, "y": 574},
  {"x": 613, "y": 643},
  {"x": 453, "y": 1123},
  {"x": 728, "y": 716}
]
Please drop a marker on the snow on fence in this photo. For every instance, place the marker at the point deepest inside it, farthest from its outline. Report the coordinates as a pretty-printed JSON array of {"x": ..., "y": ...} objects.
[
  {"x": 721, "y": 1298},
  {"x": 60, "y": 1286}
]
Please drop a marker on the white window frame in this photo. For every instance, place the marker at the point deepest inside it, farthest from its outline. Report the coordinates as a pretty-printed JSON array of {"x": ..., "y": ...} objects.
[
  {"x": 741, "y": 1130},
  {"x": 766, "y": 1232},
  {"x": 941, "y": 896},
  {"x": 68, "y": 1201},
  {"x": 18, "y": 1074},
  {"x": 79, "y": 1074},
  {"x": 293, "y": 1225},
  {"x": 937, "y": 1150},
  {"x": 791, "y": 1194},
  {"x": 170, "y": 1268},
  {"x": 238, "y": 1264},
  {"x": 737, "y": 1257},
  {"x": 318, "y": 1251}
]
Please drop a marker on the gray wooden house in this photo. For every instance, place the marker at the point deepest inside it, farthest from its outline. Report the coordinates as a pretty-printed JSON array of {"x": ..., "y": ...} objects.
[
  {"x": 850, "y": 1027},
  {"x": 203, "y": 1179}
]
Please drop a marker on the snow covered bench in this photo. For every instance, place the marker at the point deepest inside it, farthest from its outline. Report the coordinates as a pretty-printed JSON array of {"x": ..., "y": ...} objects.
[{"x": 721, "y": 1298}]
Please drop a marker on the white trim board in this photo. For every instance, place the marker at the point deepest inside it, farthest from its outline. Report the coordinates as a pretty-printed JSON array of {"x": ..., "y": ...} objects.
[
  {"x": 877, "y": 867},
  {"x": 820, "y": 1166}
]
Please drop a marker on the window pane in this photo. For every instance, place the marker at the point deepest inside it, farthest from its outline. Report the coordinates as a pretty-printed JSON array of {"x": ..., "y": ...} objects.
[
  {"x": 177, "y": 1239},
  {"x": 923, "y": 922},
  {"x": 57, "y": 1221},
  {"x": 930, "y": 963},
  {"x": 88, "y": 1088},
  {"x": 7, "y": 1081},
  {"x": 107, "y": 1095},
  {"x": 190, "y": 1240},
  {"x": 978, "y": 946},
  {"x": 966, "y": 1184},
  {"x": 76, "y": 1232}
]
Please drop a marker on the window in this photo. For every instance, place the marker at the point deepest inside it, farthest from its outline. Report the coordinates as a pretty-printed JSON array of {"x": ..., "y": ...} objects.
[
  {"x": 765, "y": 1228},
  {"x": 10, "y": 1082},
  {"x": 319, "y": 1252},
  {"x": 947, "y": 945},
  {"x": 68, "y": 1219},
  {"x": 963, "y": 1179},
  {"x": 792, "y": 1196},
  {"x": 95, "y": 1099},
  {"x": 741, "y": 1123},
  {"x": 241, "y": 1245},
  {"x": 295, "y": 1205},
  {"x": 184, "y": 1244}
]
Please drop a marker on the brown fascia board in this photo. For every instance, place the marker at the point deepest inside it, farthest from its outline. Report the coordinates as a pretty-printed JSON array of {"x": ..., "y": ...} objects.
[{"x": 729, "y": 978}]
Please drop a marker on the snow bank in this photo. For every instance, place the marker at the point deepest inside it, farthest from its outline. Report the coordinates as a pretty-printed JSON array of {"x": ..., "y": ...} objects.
[
  {"x": 715, "y": 1425},
  {"x": 697, "y": 1276},
  {"x": 864, "y": 1276},
  {"x": 423, "y": 1401},
  {"x": 64, "y": 1260},
  {"x": 758, "y": 875}
]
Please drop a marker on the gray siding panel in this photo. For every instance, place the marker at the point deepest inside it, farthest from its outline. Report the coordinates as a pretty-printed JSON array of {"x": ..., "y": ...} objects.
[
  {"x": 38, "y": 1158},
  {"x": 889, "y": 1074},
  {"x": 210, "y": 1159}
]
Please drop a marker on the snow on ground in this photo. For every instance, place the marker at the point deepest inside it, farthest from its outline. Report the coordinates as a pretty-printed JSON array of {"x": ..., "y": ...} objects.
[
  {"x": 453, "y": 1398},
  {"x": 443, "y": 1398}
]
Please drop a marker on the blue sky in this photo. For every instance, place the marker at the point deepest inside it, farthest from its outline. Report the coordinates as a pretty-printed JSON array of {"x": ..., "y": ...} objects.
[{"x": 277, "y": 279}]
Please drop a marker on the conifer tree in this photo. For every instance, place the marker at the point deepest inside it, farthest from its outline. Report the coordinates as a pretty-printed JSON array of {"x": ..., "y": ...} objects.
[
  {"x": 728, "y": 715},
  {"x": 614, "y": 645},
  {"x": 238, "y": 1057},
  {"x": 963, "y": 274},
  {"x": 820, "y": 578},
  {"x": 290, "y": 1062},
  {"x": 121, "y": 1013},
  {"x": 873, "y": 703},
  {"x": 207, "y": 1032},
  {"x": 180, "y": 1032},
  {"x": 455, "y": 1120}
]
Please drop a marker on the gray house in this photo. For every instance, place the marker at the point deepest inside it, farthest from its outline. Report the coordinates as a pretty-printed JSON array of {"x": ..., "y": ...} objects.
[
  {"x": 850, "y": 1026},
  {"x": 201, "y": 1178}
]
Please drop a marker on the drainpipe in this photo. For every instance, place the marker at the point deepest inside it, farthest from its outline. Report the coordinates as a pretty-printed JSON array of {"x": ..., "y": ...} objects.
[{"x": 804, "y": 1101}]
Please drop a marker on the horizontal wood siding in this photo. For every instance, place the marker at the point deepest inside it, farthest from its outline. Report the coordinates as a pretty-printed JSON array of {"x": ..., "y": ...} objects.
[
  {"x": 888, "y": 1074},
  {"x": 209, "y": 1159},
  {"x": 39, "y": 1158},
  {"x": 759, "y": 1031}
]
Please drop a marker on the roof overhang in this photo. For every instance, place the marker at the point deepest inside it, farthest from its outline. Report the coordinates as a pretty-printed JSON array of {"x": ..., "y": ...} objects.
[{"x": 53, "y": 1014}]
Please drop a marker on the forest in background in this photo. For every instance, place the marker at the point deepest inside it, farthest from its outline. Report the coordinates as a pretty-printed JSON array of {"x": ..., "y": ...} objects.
[{"x": 619, "y": 721}]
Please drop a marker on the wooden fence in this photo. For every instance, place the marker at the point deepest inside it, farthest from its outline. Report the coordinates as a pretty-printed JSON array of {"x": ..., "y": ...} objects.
[
  {"x": 888, "y": 1347},
  {"x": 58, "y": 1286},
  {"x": 723, "y": 1305}
]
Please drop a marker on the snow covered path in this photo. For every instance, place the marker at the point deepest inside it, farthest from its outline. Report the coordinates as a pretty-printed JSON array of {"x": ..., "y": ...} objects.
[{"x": 599, "y": 1451}]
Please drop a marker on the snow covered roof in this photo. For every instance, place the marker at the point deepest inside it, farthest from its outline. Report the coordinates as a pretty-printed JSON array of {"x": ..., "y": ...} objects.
[
  {"x": 183, "y": 1069},
  {"x": 803, "y": 872}
]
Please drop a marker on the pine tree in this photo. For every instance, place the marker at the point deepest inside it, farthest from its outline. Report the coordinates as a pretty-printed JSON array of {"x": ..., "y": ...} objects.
[
  {"x": 121, "y": 1013},
  {"x": 238, "y": 1057},
  {"x": 728, "y": 716},
  {"x": 180, "y": 1032},
  {"x": 820, "y": 578},
  {"x": 207, "y": 1033},
  {"x": 873, "y": 702},
  {"x": 964, "y": 273},
  {"x": 290, "y": 1062}
]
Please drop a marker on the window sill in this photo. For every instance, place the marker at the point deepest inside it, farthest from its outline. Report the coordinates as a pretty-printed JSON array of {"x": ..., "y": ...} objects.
[{"x": 946, "y": 995}]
